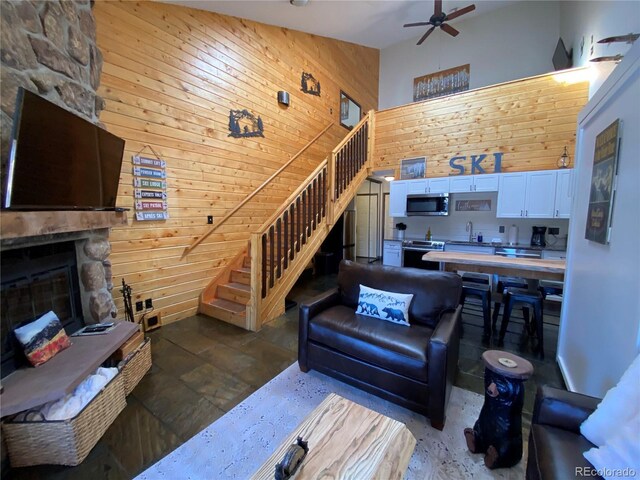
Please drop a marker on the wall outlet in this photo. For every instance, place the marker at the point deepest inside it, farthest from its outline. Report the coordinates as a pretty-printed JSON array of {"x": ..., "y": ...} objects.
[
  {"x": 210, "y": 219},
  {"x": 148, "y": 303},
  {"x": 554, "y": 230},
  {"x": 139, "y": 306},
  {"x": 501, "y": 229}
]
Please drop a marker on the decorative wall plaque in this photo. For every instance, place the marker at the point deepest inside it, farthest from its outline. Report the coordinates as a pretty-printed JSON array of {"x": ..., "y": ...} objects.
[
  {"x": 442, "y": 83},
  {"x": 605, "y": 161},
  {"x": 309, "y": 84},
  {"x": 150, "y": 192},
  {"x": 243, "y": 123}
]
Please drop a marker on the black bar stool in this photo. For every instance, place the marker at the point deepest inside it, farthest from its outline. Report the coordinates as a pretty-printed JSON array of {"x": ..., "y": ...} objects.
[
  {"x": 513, "y": 296},
  {"x": 504, "y": 283},
  {"x": 478, "y": 287}
]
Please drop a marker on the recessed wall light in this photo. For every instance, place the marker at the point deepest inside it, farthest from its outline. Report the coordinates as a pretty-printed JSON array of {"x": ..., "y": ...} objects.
[{"x": 298, "y": 3}]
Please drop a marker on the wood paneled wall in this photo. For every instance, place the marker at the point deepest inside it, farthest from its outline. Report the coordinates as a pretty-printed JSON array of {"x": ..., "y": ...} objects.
[
  {"x": 170, "y": 76},
  {"x": 529, "y": 121}
]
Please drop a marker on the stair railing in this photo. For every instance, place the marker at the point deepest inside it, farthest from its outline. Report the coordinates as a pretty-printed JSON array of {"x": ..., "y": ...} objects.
[
  {"x": 284, "y": 245},
  {"x": 228, "y": 215}
]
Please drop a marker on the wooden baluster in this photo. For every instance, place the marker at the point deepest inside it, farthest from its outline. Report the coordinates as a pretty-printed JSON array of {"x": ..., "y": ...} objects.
[
  {"x": 279, "y": 250},
  {"x": 264, "y": 265},
  {"x": 323, "y": 193},
  {"x": 285, "y": 221},
  {"x": 303, "y": 214},
  {"x": 338, "y": 174},
  {"x": 298, "y": 222},
  {"x": 315, "y": 202},
  {"x": 365, "y": 143},
  {"x": 272, "y": 264},
  {"x": 292, "y": 219},
  {"x": 308, "y": 212}
]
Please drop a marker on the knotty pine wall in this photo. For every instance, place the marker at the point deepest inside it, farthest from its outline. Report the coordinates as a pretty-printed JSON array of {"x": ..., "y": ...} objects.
[
  {"x": 170, "y": 76},
  {"x": 529, "y": 121}
]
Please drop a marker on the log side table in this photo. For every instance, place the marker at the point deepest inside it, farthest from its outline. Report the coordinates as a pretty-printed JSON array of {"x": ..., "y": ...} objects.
[{"x": 498, "y": 431}]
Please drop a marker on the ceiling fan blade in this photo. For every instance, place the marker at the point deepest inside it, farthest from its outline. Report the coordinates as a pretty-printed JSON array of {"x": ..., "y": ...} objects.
[
  {"x": 462, "y": 11},
  {"x": 449, "y": 29},
  {"x": 424, "y": 37},
  {"x": 437, "y": 8},
  {"x": 419, "y": 24}
]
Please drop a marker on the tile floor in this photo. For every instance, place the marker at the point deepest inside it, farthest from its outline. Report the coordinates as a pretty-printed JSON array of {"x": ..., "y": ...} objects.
[{"x": 202, "y": 368}]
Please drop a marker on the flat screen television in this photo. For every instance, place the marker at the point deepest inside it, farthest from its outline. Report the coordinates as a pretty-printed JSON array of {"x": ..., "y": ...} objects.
[{"x": 59, "y": 161}]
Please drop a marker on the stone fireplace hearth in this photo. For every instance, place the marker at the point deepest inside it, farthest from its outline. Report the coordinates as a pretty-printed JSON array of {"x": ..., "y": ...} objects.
[{"x": 45, "y": 252}]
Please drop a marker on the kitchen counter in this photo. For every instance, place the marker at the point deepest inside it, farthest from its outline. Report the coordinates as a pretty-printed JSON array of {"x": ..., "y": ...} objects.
[{"x": 504, "y": 245}]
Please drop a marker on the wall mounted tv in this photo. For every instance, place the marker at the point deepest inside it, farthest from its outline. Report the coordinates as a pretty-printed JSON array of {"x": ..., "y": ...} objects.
[{"x": 59, "y": 161}]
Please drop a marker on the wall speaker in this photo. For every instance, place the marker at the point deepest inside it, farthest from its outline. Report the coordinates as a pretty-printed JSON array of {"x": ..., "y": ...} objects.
[{"x": 283, "y": 98}]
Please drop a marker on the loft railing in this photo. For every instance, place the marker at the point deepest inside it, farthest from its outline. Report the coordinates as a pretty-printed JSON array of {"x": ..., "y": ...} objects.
[
  {"x": 227, "y": 216},
  {"x": 283, "y": 246}
]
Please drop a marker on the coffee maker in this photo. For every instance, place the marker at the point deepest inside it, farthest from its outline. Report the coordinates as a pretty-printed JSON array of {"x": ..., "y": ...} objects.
[{"x": 537, "y": 237}]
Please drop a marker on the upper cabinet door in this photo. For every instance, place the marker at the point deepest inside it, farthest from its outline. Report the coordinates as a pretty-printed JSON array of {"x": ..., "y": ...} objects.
[
  {"x": 512, "y": 195},
  {"x": 486, "y": 183},
  {"x": 398, "y": 199},
  {"x": 461, "y": 184},
  {"x": 439, "y": 185},
  {"x": 563, "y": 194},
  {"x": 416, "y": 186},
  {"x": 541, "y": 194}
]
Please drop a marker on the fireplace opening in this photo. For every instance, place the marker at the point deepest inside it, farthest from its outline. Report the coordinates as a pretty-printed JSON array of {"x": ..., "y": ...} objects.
[{"x": 35, "y": 280}]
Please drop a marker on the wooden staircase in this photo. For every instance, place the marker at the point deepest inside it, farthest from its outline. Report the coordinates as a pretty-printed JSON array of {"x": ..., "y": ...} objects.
[{"x": 251, "y": 289}]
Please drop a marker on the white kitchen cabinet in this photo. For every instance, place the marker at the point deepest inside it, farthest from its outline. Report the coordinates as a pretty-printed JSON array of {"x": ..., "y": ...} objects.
[
  {"x": 541, "y": 194},
  {"x": 563, "y": 194},
  {"x": 512, "y": 195},
  {"x": 474, "y": 183},
  {"x": 554, "y": 255},
  {"x": 486, "y": 183},
  {"x": 392, "y": 253},
  {"x": 528, "y": 195},
  {"x": 461, "y": 184},
  {"x": 398, "y": 198},
  {"x": 416, "y": 186},
  {"x": 438, "y": 185}
]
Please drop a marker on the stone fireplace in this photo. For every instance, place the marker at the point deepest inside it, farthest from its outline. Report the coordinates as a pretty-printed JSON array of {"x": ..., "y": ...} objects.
[{"x": 56, "y": 261}]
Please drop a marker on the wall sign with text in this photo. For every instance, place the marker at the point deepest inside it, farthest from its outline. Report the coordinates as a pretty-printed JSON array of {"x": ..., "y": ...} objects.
[
  {"x": 474, "y": 163},
  {"x": 150, "y": 192}
]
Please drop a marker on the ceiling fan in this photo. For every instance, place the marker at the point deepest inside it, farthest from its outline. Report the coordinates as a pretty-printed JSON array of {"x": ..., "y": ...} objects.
[{"x": 439, "y": 18}]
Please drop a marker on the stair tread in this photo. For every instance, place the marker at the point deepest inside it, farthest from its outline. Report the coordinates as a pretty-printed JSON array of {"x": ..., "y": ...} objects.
[
  {"x": 243, "y": 269},
  {"x": 228, "y": 305},
  {"x": 238, "y": 286}
]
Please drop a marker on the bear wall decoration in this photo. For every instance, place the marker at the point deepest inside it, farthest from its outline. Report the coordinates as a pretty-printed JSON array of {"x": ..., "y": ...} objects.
[{"x": 243, "y": 123}]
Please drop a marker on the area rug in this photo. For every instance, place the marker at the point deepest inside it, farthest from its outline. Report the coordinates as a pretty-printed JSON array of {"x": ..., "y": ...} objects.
[{"x": 234, "y": 446}]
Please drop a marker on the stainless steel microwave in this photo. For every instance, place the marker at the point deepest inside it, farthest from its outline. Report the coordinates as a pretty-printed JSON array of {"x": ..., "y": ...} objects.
[{"x": 428, "y": 204}]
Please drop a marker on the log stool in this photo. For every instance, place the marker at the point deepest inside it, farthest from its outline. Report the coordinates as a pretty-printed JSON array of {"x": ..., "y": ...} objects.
[
  {"x": 498, "y": 431},
  {"x": 516, "y": 295}
]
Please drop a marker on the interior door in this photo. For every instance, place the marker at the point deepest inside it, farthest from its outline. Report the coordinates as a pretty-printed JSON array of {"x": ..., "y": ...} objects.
[{"x": 367, "y": 225}]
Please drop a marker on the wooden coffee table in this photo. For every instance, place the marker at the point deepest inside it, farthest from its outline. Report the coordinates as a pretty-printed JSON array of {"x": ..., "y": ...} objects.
[{"x": 347, "y": 440}]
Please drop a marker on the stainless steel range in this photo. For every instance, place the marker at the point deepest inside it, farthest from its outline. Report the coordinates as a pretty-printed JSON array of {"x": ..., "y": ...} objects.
[{"x": 413, "y": 250}]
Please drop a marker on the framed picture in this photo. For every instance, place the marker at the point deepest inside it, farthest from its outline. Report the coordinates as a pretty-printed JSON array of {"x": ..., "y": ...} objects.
[
  {"x": 605, "y": 160},
  {"x": 442, "y": 83},
  {"x": 411, "y": 168}
]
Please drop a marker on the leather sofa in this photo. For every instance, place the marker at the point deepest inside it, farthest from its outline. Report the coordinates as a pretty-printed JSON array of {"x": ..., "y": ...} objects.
[
  {"x": 555, "y": 443},
  {"x": 413, "y": 366}
]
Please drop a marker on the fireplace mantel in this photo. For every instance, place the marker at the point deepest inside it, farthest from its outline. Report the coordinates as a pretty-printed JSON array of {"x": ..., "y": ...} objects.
[{"x": 14, "y": 225}]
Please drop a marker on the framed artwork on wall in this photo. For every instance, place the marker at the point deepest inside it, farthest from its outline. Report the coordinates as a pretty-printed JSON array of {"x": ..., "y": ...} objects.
[
  {"x": 411, "y": 168},
  {"x": 445, "y": 82},
  {"x": 605, "y": 160}
]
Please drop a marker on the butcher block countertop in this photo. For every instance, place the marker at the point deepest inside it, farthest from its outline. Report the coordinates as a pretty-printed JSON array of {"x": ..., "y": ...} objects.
[{"x": 523, "y": 267}]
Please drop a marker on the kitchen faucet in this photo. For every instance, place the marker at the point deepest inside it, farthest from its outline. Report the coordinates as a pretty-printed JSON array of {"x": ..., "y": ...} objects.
[{"x": 469, "y": 229}]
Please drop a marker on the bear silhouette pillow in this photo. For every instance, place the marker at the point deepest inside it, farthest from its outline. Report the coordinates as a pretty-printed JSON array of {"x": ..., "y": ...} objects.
[{"x": 390, "y": 306}]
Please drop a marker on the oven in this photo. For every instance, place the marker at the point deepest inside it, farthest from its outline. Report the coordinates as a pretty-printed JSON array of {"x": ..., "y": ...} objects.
[{"x": 413, "y": 251}]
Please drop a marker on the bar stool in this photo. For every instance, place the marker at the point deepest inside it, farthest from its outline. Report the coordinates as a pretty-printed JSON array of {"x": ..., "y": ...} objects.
[
  {"x": 509, "y": 282},
  {"x": 483, "y": 292},
  {"x": 550, "y": 288},
  {"x": 513, "y": 296}
]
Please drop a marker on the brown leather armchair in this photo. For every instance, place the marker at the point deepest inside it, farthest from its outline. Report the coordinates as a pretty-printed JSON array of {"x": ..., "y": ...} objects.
[
  {"x": 413, "y": 366},
  {"x": 555, "y": 443}
]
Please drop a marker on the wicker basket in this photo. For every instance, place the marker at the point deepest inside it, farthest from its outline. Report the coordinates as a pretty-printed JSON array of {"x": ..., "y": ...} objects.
[
  {"x": 65, "y": 442},
  {"x": 134, "y": 368}
]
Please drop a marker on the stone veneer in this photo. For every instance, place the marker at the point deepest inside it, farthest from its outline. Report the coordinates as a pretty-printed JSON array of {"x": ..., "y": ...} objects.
[
  {"x": 49, "y": 47},
  {"x": 94, "y": 270}
]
